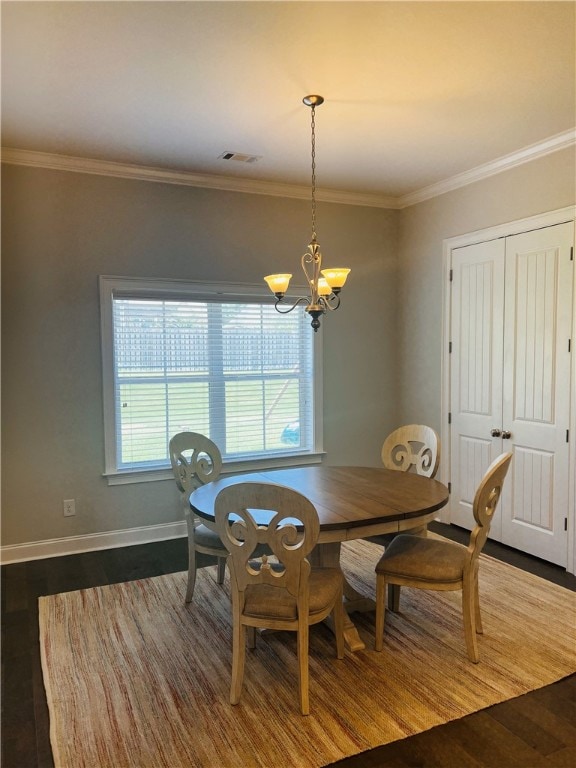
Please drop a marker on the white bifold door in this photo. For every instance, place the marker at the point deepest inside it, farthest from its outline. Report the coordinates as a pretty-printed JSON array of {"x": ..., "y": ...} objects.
[{"x": 511, "y": 318}]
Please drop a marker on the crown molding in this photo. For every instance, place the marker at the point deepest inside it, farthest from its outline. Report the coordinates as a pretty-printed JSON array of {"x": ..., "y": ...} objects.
[
  {"x": 226, "y": 183},
  {"x": 206, "y": 181},
  {"x": 505, "y": 163}
]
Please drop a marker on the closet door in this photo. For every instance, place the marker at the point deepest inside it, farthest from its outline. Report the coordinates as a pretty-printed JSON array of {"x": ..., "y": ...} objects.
[
  {"x": 536, "y": 390},
  {"x": 511, "y": 320},
  {"x": 477, "y": 318}
]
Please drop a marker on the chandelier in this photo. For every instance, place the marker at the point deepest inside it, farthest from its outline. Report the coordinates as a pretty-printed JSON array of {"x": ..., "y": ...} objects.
[{"x": 324, "y": 284}]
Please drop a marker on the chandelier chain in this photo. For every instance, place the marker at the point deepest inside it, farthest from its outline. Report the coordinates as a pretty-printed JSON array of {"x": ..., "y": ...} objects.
[{"x": 313, "y": 129}]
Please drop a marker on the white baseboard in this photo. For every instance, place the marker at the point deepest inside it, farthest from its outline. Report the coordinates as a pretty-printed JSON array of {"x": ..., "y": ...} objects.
[{"x": 73, "y": 545}]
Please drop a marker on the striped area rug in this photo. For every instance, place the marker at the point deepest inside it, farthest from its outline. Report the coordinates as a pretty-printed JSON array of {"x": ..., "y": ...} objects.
[{"x": 134, "y": 678}]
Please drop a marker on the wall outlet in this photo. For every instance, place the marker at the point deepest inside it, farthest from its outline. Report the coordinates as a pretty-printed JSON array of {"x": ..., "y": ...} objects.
[{"x": 69, "y": 507}]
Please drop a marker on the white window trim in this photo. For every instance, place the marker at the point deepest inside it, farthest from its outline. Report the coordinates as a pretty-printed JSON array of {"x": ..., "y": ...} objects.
[{"x": 109, "y": 285}]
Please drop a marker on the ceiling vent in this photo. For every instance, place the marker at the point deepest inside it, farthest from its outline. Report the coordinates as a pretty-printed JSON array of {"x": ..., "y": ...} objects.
[{"x": 240, "y": 157}]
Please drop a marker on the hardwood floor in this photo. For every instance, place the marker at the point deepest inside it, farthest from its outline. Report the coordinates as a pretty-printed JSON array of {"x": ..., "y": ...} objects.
[{"x": 536, "y": 730}]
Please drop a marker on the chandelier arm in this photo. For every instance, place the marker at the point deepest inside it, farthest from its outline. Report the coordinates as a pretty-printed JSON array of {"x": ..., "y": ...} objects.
[
  {"x": 331, "y": 302},
  {"x": 296, "y": 303},
  {"x": 312, "y": 257}
]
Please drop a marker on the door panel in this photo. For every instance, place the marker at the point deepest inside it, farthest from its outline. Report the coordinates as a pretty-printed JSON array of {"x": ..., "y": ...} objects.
[
  {"x": 472, "y": 457},
  {"x": 476, "y": 370},
  {"x": 533, "y": 497},
  {"x": 537, "y": 329}
]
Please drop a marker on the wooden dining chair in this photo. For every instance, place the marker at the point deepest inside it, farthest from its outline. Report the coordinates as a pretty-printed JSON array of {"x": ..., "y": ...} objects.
[
  {"x": 412, "y": 448},
  {"x": 197, "y": 460},
  {"x": 279, "y": 591},
  {"x": 439, "y": 564}
]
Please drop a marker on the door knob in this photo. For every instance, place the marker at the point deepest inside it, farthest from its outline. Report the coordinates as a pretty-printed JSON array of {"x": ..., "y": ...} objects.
[
  {"x": 506, "y": 435},
  {"x": 496, "y": 433}
]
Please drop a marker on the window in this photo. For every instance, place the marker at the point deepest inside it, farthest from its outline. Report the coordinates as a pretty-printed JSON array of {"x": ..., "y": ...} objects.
[{"x": 214, "y": 359}]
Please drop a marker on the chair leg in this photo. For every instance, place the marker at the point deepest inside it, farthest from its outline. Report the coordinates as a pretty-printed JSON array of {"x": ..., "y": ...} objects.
[
  {"x": 251, "y": 631},
  {"x": 338, "y": 616},
  {"x": 191, "y": 575},
  {"x": 469, "y": 614},
  {"x": 394, "y": 597},
  {"x": 479, "y": 628},
  {"x": 238, "y": 657},
  {"x": 380, "y": 612},
  {"x": 221, "y": 570},
  {"x": 303, "y": 633}
]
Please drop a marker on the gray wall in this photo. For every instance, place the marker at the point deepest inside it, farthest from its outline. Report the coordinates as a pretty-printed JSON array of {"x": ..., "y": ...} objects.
[
  {"x": 381, "y": 349},
  {"x": 61, "y": 230},
  {"x": 537, "y": 187}
]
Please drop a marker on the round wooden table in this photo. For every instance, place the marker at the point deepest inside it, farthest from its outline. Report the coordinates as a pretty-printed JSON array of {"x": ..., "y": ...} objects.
[{"x": 352, "y": 503}]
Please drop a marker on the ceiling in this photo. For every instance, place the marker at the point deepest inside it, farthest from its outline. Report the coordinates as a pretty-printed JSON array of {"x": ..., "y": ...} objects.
[{"x": 415, "y": 92}]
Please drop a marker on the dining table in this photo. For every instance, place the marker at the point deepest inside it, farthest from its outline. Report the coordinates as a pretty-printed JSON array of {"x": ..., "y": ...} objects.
[{"x": 352, "y": 503}]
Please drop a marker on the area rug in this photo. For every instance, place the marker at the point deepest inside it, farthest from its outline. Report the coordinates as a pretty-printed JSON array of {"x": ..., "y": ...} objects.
[{"x": 136, "y": 679}]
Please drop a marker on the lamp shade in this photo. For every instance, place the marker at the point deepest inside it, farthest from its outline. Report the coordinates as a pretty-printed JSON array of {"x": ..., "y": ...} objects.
[
  {"x": 336, "y": 276},
  {"x": 278, "y": 283}
]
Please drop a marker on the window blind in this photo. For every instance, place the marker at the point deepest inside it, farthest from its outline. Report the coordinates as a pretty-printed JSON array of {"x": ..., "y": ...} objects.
[{"x": 236, "y": 371}]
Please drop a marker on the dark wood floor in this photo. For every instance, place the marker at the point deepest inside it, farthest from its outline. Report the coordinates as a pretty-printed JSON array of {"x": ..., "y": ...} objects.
[{"x": 532, "y": 731}]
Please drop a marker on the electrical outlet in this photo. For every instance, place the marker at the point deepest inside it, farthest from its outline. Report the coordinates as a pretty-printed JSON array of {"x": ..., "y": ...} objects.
[{"x": 69, "y": 506}]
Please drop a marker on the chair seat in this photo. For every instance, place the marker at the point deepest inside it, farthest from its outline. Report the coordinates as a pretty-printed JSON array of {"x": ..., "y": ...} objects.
[
  {"x": 268, "y": 602},
  {"x": 428, "y": 560},
  {"x": 206, "y": 537}
]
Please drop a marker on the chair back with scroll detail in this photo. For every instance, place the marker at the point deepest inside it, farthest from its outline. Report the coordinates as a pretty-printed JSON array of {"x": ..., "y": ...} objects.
[
  {"x": 196, "y": 460},
  {"x": 278, "y": 590},
  {"x": 414, "y": 445},
  {"x": 439, "y": 564}
]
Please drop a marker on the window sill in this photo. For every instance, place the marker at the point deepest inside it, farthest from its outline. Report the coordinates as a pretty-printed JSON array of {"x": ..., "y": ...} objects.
[{"x": 230, "y": 468}]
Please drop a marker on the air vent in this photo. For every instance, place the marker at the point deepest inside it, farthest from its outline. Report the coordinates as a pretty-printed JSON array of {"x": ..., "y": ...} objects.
[{"x": 240, "y": 157}]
